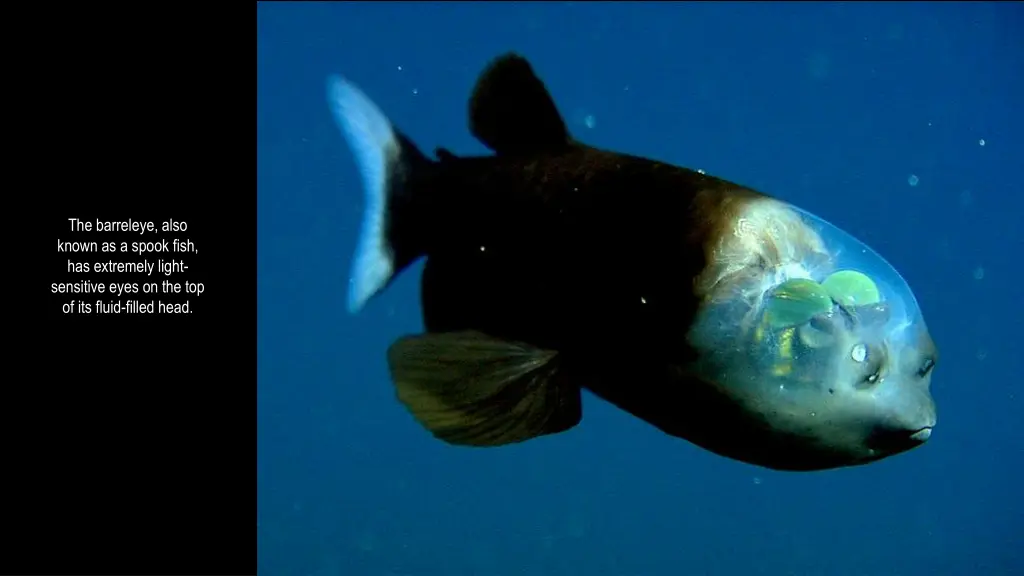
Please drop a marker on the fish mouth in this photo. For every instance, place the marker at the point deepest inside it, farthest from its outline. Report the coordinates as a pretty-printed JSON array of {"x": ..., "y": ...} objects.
[
  {"x": 894, "y": 441},
  {"x": 921, "y": 434}
]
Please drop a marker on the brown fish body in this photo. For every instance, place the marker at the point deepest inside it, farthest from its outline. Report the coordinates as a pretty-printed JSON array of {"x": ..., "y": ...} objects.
[
  {"x": 555, "y": 250},
  {"x": 553, "y": 266}
]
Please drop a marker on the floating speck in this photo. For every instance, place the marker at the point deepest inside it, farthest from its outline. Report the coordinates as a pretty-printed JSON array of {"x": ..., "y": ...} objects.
[
  {"x": 979, "y": 273},
  {"x": 590, "y": 121},
  {"x": 399, "y": 68},
  {"x": 415, "y": 91},
  {"x": 913, "y": 180},
  {"x": 757, "y": 480},
  {"x": 981, "y": 142}
]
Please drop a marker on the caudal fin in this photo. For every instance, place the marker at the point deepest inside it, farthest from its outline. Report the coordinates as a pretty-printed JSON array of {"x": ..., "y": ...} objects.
[{"x": 387, "y": 162}]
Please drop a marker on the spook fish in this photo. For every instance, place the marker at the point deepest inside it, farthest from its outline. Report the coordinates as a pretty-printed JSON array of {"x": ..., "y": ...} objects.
[{"x": 714, "y": 312}]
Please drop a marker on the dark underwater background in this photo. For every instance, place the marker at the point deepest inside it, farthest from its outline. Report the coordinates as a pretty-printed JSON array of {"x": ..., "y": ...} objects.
[{"x": 899, "y": 122}]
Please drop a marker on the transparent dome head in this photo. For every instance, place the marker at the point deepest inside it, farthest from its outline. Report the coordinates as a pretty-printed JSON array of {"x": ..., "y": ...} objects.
[{"x": 802, "y": 322}]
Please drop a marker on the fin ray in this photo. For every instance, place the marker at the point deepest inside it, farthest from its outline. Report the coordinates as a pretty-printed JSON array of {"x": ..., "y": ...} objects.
[{"x": 469, "y": 389}]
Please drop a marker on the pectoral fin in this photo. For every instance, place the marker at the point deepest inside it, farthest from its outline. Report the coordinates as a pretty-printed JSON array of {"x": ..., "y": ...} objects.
[{"x": 467, "y": 388}]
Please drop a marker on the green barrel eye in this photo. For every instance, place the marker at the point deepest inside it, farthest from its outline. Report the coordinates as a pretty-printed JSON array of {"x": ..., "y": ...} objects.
[
  {"x": 795, "y": 302},
  {"x": 850, "y": 288}
]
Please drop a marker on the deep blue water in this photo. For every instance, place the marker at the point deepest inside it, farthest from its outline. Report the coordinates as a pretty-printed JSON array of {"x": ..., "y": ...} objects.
[{"x": 835, "y": 107}]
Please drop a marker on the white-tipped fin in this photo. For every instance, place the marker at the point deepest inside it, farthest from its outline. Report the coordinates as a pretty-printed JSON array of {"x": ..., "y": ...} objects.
[{"x": 376, "y": 148}]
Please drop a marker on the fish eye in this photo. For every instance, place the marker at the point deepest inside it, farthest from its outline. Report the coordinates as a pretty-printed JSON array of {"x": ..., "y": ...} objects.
[{"x": 926, "y": 367}]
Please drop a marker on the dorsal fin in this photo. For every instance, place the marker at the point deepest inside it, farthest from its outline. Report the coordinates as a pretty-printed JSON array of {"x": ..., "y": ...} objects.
[{"x": 511, "y": 111}]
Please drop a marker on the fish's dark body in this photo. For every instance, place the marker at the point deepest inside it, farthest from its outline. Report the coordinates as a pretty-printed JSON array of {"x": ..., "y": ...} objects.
[{"x": 552, "y": 267}]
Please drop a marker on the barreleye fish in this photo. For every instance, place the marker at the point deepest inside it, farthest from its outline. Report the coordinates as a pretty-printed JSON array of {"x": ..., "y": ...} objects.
[{"x": 714, "y": 312}]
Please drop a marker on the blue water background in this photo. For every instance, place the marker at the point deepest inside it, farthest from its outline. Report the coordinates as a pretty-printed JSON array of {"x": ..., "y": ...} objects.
[{"x": 836, "y": 107}]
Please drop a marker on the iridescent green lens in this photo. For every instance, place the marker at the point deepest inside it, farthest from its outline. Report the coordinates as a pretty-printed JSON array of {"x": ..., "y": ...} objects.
[
  {"x": 795, "y": 302},
  {"x": 850, "y": 288}
]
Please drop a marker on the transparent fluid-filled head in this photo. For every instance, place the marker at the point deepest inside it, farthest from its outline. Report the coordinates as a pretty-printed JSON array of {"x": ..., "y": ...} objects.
[{"x": 814, "y": 333}]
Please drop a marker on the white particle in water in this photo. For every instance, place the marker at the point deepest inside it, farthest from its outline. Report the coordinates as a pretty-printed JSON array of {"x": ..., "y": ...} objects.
[
  {"x": 981, "y": 142},
  {"x": 913, "y": 180},
  {"x": 415, "y": 91},
  {"x": 590, "y": 121},
  {"x": 979, "y": 273}
]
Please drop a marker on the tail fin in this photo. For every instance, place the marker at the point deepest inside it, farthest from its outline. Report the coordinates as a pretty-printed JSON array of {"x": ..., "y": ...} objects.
[{"x": 386, "y": 159}]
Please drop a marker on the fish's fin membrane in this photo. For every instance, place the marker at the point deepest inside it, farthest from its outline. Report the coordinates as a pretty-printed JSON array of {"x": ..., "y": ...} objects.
[
  {"x": 388, "y": 163},
  {"x": 512, "y": 112},
  {"x": 470, "y": 389}
]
